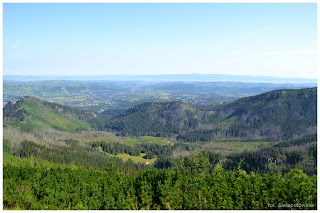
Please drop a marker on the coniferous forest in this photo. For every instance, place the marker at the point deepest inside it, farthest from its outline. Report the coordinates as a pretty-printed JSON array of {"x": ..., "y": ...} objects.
[{"x": 258, "y": 152}]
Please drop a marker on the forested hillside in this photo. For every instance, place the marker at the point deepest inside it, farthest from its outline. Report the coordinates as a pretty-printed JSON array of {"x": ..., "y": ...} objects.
[
  {"x": 280, "y": 115},
  {"x": 273, "y": 116},
  {"x": 151, "y": 118}
]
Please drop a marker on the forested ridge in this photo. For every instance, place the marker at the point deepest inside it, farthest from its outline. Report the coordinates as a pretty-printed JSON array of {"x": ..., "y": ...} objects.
[{"x": 273, "y": 116}]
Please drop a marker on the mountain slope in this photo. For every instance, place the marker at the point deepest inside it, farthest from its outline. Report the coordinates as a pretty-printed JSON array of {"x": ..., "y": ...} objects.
[
  {"x": 277, "y": 115},
  {"x": 152, "y": 118},
  {"x": 30, "y": 113}
]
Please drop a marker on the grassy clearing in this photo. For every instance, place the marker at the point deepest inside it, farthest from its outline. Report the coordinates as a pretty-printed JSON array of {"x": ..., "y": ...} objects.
[{"x": 135, "y": 159}]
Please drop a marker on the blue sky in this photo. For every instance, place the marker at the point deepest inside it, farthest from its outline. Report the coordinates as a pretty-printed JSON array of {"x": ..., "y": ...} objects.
[{"x": 103, "y": 39}]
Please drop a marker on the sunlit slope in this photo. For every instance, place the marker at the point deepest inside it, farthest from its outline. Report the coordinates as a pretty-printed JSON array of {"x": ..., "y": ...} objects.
[{"x": 30, "y": 113}]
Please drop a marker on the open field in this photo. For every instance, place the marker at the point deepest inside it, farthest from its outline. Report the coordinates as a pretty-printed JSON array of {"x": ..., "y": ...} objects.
[{"x": 135, "y": 159}]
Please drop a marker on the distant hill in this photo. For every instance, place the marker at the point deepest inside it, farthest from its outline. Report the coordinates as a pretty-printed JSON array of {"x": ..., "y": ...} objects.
[
  {"x": 277, "y": 115},
  {"x": 31, "y": 113}
]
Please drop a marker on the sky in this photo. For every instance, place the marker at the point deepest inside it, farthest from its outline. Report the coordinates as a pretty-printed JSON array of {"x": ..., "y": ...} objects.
[{"x": 269, "y": 39}]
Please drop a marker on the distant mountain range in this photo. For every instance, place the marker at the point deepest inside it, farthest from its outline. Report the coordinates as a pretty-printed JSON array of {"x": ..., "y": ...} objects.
[
  {"x": 272, "y": 116},
  {"x": 166, "y": 77}
]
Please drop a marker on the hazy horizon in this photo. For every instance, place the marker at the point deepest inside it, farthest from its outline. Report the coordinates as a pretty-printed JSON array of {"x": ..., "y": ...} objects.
[
  {"x": 133, "y": 74},
  {"x": 164, "y": 78}
]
